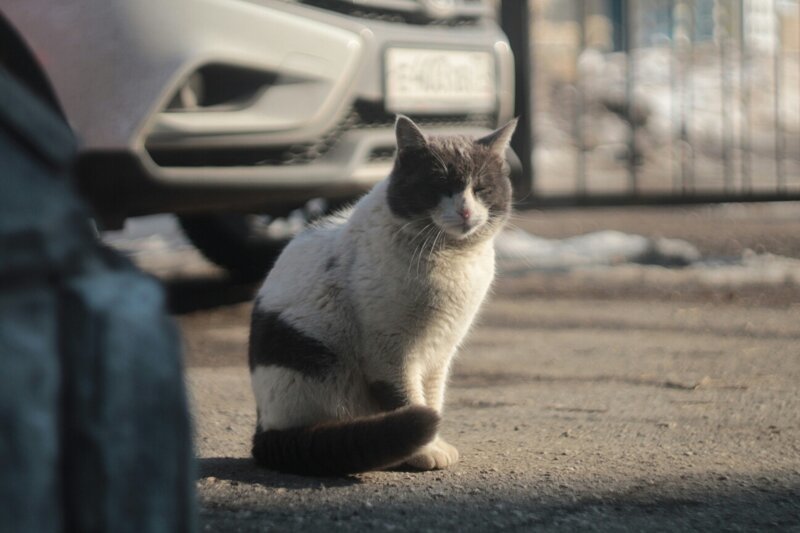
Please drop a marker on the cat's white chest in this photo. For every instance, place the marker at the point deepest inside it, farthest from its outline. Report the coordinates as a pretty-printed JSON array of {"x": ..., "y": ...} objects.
[
  {"x": 461, "y": 284},
  {"x": 430, "y": 312}
]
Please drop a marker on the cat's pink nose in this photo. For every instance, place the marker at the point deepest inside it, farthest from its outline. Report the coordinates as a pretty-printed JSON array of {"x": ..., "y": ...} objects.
[{"x": 465, "y": 213}]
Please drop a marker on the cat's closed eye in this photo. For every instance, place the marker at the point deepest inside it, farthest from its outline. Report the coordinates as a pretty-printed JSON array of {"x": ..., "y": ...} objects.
[
  {"x": 443, "y": 187},
  {"x": 479, "y": 189}
]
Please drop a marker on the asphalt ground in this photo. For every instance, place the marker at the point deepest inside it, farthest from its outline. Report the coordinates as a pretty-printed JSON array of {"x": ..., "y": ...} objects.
[{"x": 624, "y": 398}]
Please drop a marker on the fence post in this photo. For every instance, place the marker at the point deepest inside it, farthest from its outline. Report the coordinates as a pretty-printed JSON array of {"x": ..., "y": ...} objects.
[{"x": 515, "y": 20}]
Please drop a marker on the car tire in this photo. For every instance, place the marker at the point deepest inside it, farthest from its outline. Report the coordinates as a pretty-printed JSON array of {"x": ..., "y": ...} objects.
[
  {"x": 235, "y": 242},
  {"x": 247, "y": 245}
]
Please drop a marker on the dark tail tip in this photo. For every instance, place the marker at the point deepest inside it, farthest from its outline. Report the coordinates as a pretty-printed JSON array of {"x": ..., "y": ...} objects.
[
  {"x": 415, "y": 421},
  {"x": 347, "y": 447}
]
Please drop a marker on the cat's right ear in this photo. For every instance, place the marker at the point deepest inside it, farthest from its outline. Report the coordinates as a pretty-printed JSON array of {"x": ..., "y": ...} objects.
[
  {"x": 409, "y": 136},
  {"x": 499, "y": 139}
]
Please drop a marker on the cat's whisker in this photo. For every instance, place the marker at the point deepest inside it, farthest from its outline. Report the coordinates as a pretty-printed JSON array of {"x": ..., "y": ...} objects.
[
  {"x": 428, "y": 225},
  {"x": 403, "y": 227},
  {"x": 521, "y": 201},
  {"x": 441, "y": 162},
  {"x": 483, "y": 167},
  {"x": 416, "y": 248},
  {"x": 424, "y": 244},
  {"x": 438, "y": 235},
  {"x": 419, "y": 248},
  {"x": 431, "y": 238},
  {"x": 510, "y": 225},
  {"x": 514, "y": 214}
]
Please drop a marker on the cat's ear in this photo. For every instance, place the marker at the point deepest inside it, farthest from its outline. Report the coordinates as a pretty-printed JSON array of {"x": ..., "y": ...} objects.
[
  {"x": 409, "y": 136},
  {"x": 499, "y": 139}
]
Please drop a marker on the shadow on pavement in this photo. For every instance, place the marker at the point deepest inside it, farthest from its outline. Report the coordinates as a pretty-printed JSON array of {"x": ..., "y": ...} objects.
[
  {"x": 245, "y": 471},
  {"x": 367, "y": 507},
  {"x": 186, "y": 295}
]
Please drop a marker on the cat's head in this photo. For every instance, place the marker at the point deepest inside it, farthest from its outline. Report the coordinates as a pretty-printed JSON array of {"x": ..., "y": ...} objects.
[{"x": 458, "y": 183}]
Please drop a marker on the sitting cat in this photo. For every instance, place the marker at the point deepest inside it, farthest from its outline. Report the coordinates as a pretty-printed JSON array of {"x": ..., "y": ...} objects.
[{"x": 355, "y": 327}]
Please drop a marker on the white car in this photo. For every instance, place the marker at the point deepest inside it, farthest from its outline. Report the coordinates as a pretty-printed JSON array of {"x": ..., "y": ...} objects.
[{"x": 217, "y": 110}]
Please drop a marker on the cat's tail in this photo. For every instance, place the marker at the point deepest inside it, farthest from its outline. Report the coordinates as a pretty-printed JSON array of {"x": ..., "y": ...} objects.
[{"x": 348, "y": 446}]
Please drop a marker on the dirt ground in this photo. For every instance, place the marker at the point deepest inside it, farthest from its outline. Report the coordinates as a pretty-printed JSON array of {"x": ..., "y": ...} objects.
[{"x": 580, "y": 402}]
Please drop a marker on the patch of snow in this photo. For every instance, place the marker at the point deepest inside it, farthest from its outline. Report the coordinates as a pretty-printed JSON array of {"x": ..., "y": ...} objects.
[
  {"x": 753, "y": 268},
  {"x": 148, "y": 234},
  {"x": 517, "y": 248},
  {"x": 612, "y": 257}
]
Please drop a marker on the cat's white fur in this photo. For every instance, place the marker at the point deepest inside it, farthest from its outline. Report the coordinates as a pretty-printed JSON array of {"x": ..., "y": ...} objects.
[{"x": 367, "y": 312}]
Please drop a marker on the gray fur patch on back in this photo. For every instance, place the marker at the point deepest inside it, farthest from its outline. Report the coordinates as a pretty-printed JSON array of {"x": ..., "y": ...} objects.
[{"x": 273, "y": 341}]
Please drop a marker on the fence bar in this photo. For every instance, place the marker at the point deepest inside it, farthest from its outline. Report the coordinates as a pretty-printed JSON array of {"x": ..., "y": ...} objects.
[
  {"x": 686, "y": 9},
  {"x": 778, "y": 77},
  {"x": 744, "y": 102},
  {"x": 628, "y": 29},
  {"x": 677, "y": 168},
  {"x": 723, "y": 20},
  {"x": 690, "y": 118},
  {"x": 684, "y": 34},
  {"x": 516, "y": 20},
  {"x": 580, "y": 100},
  {"x": 686, "y": 198}
]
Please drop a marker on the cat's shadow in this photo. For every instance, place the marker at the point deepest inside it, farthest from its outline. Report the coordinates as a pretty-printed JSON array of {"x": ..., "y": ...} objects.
[{"x": 244, "y": 470}]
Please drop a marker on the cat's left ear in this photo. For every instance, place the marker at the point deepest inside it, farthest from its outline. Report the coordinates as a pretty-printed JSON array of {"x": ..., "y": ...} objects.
[{"x": 499, "y": 139}]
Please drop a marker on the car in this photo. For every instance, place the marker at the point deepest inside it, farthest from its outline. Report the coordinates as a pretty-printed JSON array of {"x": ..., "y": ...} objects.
[{"x": 234, "y": 113}]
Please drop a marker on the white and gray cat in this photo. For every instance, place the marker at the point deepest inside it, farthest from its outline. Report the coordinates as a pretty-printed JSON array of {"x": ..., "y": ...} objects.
[{"x": 354, "y": 330}]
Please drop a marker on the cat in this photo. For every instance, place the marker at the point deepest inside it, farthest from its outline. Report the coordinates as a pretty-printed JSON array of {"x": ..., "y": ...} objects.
[{"x": 355, "y": 327}]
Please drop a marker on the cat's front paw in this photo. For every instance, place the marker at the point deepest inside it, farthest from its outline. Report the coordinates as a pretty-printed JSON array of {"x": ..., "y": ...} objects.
[{"x": 434, "y": 456}]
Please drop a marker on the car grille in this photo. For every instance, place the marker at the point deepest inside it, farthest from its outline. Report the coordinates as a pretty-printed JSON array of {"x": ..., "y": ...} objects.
[
  {"x": 463, "y": 13},
  {"x": 373, "y": 115},
  {"x": 363, "y": 116}
]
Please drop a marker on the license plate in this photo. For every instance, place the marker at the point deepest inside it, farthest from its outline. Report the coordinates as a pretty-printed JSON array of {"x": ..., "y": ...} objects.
[{"x": 435, "y": 81}]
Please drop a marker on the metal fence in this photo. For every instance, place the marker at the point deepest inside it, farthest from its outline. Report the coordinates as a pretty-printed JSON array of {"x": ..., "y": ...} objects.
[{"x": 664, "y": 101}]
